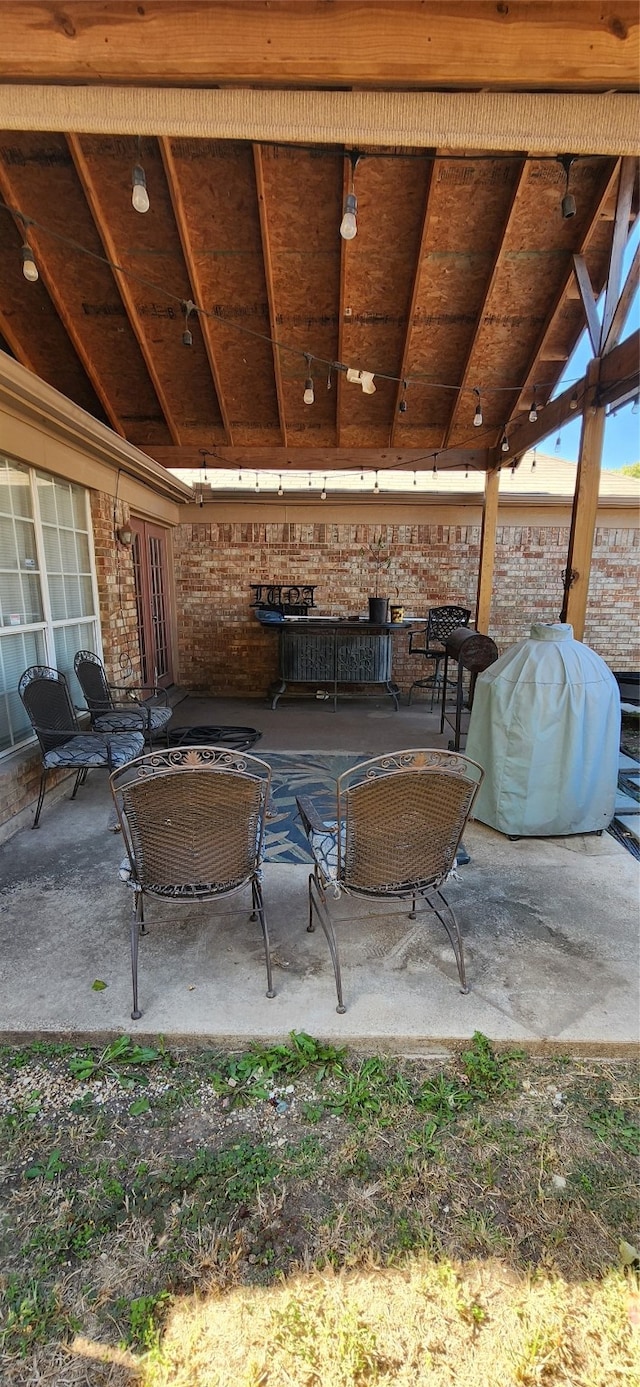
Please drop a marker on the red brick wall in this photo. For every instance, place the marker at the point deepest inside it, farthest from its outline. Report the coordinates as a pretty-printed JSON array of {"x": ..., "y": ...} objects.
[
  {"x": 116, "y": 591},
  {"x": 223, "y": 649}
]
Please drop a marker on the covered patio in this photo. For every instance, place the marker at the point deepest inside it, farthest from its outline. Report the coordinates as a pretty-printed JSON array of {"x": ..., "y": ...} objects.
[{"x": 549, "y": 929}]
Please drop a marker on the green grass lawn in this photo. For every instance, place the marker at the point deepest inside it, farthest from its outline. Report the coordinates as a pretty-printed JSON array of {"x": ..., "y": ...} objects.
[{"x": 301, "y": 1215}]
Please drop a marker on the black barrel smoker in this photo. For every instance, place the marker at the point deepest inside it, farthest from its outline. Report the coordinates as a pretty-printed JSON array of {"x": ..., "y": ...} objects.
[{"x": 473, "y": 653}]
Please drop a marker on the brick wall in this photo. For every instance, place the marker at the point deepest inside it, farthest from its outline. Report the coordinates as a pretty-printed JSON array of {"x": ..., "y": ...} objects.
[{"x": 223, "y": 649}]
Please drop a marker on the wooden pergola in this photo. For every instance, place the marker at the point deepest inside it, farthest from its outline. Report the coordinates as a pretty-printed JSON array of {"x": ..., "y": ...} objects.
[{"x": 460, "y": 128}]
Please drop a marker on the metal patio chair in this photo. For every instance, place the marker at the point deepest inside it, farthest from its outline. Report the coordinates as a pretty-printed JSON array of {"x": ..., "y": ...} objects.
[
  {"x": 193, "y": 821},
  {"x": 441, "y": 621},
  {"x": 398, "y": 821},
  {"x": 63, "y": 742},
  {"x": 126, "y": 713}
]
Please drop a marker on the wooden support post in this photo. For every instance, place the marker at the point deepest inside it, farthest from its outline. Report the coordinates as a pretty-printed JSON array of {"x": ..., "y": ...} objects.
[
  {"x": 487, "y": 550},
  {"x": 585, "y": 506}
]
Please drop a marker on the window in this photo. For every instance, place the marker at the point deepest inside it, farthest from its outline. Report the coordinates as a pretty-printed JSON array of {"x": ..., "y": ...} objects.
[{"x": 48, "y": 597}]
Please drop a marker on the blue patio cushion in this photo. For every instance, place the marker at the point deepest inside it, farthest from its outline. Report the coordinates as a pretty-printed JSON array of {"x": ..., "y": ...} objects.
[
  {"x": 155, "y": 719},
  {"x": 324, "y": 846},
  {"x": 92, "y": 751}
]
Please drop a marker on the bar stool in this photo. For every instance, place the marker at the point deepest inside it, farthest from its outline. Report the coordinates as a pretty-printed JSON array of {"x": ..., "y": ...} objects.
[{"x": 441, "y": 621}]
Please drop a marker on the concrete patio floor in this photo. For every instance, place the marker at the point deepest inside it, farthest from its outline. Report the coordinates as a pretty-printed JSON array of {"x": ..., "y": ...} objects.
[{"x": 550, "y": 929}]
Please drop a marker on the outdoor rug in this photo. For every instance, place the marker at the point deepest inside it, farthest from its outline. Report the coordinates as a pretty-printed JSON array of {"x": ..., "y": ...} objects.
[{"x": 310, "y": 773}]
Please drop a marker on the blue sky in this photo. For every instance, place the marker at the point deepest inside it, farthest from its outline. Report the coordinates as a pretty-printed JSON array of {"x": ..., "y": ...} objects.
[{"x": 622, "y": 430}]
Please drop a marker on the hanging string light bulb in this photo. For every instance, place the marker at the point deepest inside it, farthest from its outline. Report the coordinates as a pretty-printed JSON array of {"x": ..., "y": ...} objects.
[
  {"x": 533, "y": 413},
  {"x": 558, "y": 443},
  {"x": 434, "y": 474},
  {"x": 349, "y": 224},
  {"x": 329, "y": 378},
  {"x": 568, "y": 204},
  {"x": 308, "y": 396},
  {"x": 376, "y": 488},
  {"x": 415, "y": 479},
  {"x": 466, "y": 473},
  {"x": 323, "y": 493},
  {"x": 362, "y": 474},
  {"x": 533, "y": 461},
  {"x": 240, "y": 475},
  {"x": 29, "y": 267},
  {"x": 257, "y": 481},
  {"x": 280, "y": 486},
  {"x": 402, "y": 407},
  {"x": 187, "y": 337},
  {"x": 309, "y": 479},
  {"x": 513, "y": 468},
  {"x": 477, "y": 418},
  {"x": 139, "y": 194},
  {"x": 505, "y": 443},
  {"x": 573, "y": 402}
]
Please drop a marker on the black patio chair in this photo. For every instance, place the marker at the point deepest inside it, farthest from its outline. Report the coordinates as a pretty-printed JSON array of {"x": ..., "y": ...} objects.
[
  {"x": 63, "y": 742},
  {"x": 193, "y": 821},
  {"x": 126, "y": 713},
  {"x": 396, "y": 827},
  {"x": 441, "y": 621}
]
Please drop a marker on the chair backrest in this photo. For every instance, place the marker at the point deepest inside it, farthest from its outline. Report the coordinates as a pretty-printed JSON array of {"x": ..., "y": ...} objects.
[
  {"x": 441, "y": 621},
  {"x": 89, "y": 671},
  {"x": 45, "y": 694},
  {"x": 401, "y": 818},
  {"x": 193, "y": 818}
]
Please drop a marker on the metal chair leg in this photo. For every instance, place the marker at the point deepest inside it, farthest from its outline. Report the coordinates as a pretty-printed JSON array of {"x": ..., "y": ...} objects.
[
  {"x": 80, "y": 779},
  {"x": 320, "y": 902},
  {"x": 258, "y": 903},
  {"x": 447, "y": 918},
  {"x": 135, "y": 932},
  {"x": 43, "y": 786}
]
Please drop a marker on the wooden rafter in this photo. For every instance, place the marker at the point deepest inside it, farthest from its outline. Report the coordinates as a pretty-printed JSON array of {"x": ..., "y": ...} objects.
[
  {"x": 197, "y": 294},
  {"x": 268, "y": 272},
  {"x": 39, "y": 247},
  {"x": 497, "y": 262},
  {"x": 344, "y": 251},
  {"x": 15, "y": 343},
  {"x": 588, "y": 301},
  {"x": 621, "y": 312},
  {"x": 619, "y": 379},
  {"x": 406, "y": 350},
  {"x": 99, "y": 214},
  {"x": 568, "y": 288},
  {"x": 409, "y": 45},
  {"x": 620, "y": 237},
  {"x": 323, "y": 459}
]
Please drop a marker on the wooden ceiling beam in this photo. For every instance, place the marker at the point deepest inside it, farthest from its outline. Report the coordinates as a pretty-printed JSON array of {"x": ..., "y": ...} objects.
[
  {"x": 620, "y": 372},
  {"x": 621, "y": 312},
  {"x": 197, "y": 294},
  {"x": 268, "y": 274},
  {"x": 14, "y": 341},
  {"x": 619, "y": 379},
  {"x": 123, "y": 286},
  {"x": 406, "y": 351},
  {"x": 497, "y": 261},
  {"x": 38, "y": 244},
  {"x": 347, "y": 175},
  {"x": 568, "y": 47},
  {"x": 588, "y": 299},
  {"x": 624, "y": 200}
]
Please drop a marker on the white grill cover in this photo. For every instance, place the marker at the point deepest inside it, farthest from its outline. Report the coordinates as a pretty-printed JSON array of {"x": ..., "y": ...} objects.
[{"x": 545, "y": 725}]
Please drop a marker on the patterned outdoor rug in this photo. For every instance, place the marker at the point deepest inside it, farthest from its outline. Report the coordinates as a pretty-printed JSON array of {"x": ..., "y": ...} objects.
[{"x": 311, "y": 773}]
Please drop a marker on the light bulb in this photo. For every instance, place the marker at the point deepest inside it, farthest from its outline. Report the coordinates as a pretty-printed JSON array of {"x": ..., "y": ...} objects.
[
  {"x": 323, "y": 493},
  {"x": 29, "y": 267},
  {"x": 280, "y": 487},
  {"x": 139, "y": 196},
  {"x": 533, "y": 461},
  {"x": 568, "y": 206},
  {"x": 477, "y": 418},
  {"x": 349, "y": 225},
  {"x": 187, "y": 338},
  {"x": 376, "y": 488},
  {"x": 533, "y": 413},
  {"x": 415, "y": 479},
  {"x": 505, "y": 443},
  {"x": 435, "y": 471},
  {"x": 308, "y": 396},
  {"x": 573, "y": 402}
]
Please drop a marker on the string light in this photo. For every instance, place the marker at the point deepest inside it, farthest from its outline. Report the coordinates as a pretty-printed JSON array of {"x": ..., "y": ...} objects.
[
  {"x": 257, "y": 482},
  {"x": 435, "y": 467},
  {"x": 376, "y": 488},
  {"x": 533, "y": 413},
  {"x": 477, "y": 418},
  {"x": 240, "y": 475},
  {"x": 533, "y": 461},
  {"x": 139, "y": 194},
  {"x": 568, "y": 204},
  {"x": 513, "y": 468},
  {"x": 323, "y": 493},
  {"x": 415, "y": 479},
  {"x": 29, "y": 267},
  {"x": 362, "y": 474},
  {"x": 280, "y": 486},
  {"x": 505, "y": 443},
  {"x": 573, "y": 402},
  {"x": 309, "y": 479},
  {"x": 308, "y": 396},
  {"x": 349, "y": 224},
  {"x": 402, "y": 407},
  {"x": 558, "y": 443},
  {"x": 329, "y": 378},
  {"x": 466, "y": 474},
  {"x": 187, "y": 336}
]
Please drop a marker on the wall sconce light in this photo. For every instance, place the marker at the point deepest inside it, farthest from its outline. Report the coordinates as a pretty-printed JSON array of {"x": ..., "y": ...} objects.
[{"x": 124, "y": 535}]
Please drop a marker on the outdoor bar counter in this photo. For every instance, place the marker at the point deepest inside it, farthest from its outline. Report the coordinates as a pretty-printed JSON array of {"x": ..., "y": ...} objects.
[{"x": 329, "y": 652}]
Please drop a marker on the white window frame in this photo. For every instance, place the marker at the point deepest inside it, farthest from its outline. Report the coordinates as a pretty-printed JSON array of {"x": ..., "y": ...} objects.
[{"x": 48, "y": 626}]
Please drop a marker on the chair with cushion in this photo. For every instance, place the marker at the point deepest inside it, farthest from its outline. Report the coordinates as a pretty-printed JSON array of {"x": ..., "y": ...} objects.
[
  {"x": 398, "y": 821},
  {"x": 126, "y": 713},
  {"x": 63, "y": 742},
  {"x": 193, "y": 821},
  {"x": 441, "y": 621}
]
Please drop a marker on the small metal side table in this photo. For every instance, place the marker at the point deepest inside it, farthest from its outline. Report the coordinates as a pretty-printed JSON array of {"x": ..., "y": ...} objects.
[{"x": 473, "y": 653}]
